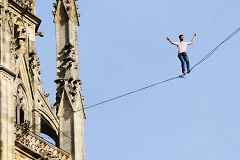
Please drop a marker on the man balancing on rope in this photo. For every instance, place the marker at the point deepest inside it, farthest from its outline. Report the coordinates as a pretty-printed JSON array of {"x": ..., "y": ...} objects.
[{"x": 182, "y": 52}]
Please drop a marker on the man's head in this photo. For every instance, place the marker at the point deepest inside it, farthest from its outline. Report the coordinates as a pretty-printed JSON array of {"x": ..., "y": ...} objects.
[
  {"x": 181, "y": 37},
  {"x": 27, "y": 121}
]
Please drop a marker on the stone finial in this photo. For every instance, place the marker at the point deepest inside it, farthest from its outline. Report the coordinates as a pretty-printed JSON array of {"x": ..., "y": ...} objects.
[{"x": 68, "y": 6}]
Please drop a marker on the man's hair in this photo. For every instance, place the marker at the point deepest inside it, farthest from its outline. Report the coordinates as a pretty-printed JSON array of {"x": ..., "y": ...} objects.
[{"x": 180, "y": 36}]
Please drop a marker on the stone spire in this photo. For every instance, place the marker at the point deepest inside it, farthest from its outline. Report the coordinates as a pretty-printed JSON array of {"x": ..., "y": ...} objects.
[{"x": 68, "y": 98}]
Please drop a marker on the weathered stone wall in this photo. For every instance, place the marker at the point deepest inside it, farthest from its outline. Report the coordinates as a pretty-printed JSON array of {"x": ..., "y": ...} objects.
[{"x": 21, "y": 96}]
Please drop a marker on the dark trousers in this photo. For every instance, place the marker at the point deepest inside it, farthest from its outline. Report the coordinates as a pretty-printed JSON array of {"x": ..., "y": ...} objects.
[{"x": 184, "y": 60}]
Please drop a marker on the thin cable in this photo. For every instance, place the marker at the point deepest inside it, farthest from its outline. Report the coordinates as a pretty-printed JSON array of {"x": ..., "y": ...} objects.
[
  {"x": 47, "y": 122},
  {"x": 181, "y": 76},
  {"x": 214, "y": 50},
  {"x": 132, "y": 92},
  {"x": 155, "y": 84},
  {"x": 158, "y": 83}
]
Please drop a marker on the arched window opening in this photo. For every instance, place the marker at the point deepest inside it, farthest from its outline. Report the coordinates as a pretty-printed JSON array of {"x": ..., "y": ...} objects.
[
  {"x": 47, "y": 130},
  {"x": 17, "y": 116},
  {"x": 21, "y": 105},
  {"x": 47, "y": 138},
  {"x": 21, "y": 116}
]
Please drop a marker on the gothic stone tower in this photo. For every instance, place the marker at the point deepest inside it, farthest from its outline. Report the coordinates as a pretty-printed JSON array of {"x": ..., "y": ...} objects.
[
  {"x": 21, "y": 96},
  {"x": 68, "y": 99}
]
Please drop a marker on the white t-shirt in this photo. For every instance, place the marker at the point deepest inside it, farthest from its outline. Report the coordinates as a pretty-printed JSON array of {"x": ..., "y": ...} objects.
[{"x": 182, "y": 46}]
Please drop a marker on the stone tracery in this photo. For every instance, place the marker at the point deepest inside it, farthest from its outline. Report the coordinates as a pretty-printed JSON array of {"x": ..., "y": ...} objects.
[{"x": 21, "y": 100}]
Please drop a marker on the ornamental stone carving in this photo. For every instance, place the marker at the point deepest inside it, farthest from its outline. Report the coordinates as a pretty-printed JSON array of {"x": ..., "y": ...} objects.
[
  {"x": 73, "y": 87},
  {"x": 20, "y": 36},
  {"x": 34, "y": 64},
  {"x": 67, "y": 60},
  {"x": 39, "y": 145},
  {"x": 19, "y": 156},
  {"x": 26, "y": 4},
  {"x": 70, "y": 8},
  {"x": 21, "y": 101},
  {"x": 60, "y": 88},
  {"x": 6, "y": 76}
]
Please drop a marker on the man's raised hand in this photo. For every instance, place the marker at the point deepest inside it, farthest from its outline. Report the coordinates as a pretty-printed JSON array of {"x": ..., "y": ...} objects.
[
  {"x": 168, "y": 39},
  {"x": 193, "y": 38}
]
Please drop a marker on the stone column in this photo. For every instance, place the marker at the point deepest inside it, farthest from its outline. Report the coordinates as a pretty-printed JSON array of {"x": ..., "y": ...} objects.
[
  {"x": 7, "y": 140},
  {"x": 79, "y": 150},
  {"x": 7, "y": 130}
]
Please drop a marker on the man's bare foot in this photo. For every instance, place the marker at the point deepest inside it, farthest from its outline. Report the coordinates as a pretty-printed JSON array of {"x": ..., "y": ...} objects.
[{"x": 184, "y": 73}]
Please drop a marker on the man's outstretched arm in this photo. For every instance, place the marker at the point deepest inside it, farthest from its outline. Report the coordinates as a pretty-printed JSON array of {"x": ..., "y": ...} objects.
[
  {"x": 193, "y": 38},
  {"x": 171, "y": 41}
]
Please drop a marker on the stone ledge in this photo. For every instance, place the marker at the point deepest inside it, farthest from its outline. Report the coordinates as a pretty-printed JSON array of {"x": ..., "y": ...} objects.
[
  {"x": 7, "y": 70},
  {"x": 28, "y": 15}
]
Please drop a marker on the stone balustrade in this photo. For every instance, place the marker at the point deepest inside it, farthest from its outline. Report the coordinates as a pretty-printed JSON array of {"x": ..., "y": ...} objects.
[{"x": 39, "y": 145}]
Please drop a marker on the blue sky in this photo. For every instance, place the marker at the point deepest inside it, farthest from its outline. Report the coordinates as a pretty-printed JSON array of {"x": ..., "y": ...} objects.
[{"x": 123, "y": 47}]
